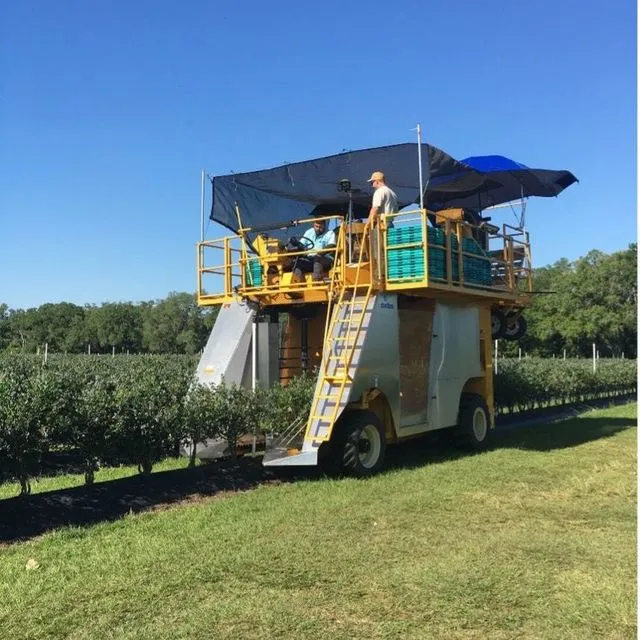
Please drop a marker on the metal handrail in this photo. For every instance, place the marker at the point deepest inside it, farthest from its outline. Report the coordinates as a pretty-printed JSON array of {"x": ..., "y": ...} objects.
[
  {"x": 511, "y": 272},
  {"x": 510, "y": 241}
]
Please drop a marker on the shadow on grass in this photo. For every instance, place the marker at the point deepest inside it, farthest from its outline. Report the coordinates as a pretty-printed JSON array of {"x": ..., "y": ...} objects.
[
  {"x": 27, "y": 517},
  {"x": 441, "y": 446},
  {"x": 22, "y": 518},
  {"x": 560, "y": 435}
]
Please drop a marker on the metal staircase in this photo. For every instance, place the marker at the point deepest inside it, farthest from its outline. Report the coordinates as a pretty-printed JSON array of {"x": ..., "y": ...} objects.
[{"x": 347, "y": 323}]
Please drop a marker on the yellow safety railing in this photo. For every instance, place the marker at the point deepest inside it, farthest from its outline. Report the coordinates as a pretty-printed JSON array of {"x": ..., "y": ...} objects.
[
  {"x": 519, "y": 258},
  {"x": 402, "y": 252},
  {"x": 228, "y": 276},
  {"x": 421, "y": 255},
  {"x": 271, "y": 270},
  {"x": 256, "y": 264}
]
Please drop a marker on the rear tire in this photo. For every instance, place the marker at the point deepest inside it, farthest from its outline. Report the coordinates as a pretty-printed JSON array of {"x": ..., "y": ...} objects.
[
  {"x": 515, "y": 328},
  {"x": 360, "y": 443},
  {"x": 474, "y": 422},
  {"x": 498, "y": 324}
]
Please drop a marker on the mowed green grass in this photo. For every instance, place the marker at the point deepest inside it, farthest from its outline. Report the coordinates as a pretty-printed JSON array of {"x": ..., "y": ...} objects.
[{"x": 534, "y": 539}]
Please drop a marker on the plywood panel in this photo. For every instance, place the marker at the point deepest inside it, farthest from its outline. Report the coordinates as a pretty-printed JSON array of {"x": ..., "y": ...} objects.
[{"x": 415, "y": 329}]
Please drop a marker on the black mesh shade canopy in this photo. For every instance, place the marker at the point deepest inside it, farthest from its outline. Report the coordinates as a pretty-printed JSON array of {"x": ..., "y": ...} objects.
[
  {"x": 272, "y": 198},
  {"x": 276, "y": 196}
]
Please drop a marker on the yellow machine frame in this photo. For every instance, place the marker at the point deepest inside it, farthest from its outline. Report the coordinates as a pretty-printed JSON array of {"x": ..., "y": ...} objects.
[
  {"x": 512, "y": 261},
  {"x": 256, "y": 267}
]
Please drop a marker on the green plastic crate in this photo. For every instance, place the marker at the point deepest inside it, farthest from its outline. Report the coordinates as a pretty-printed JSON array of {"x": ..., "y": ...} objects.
[{"x": 253, "y": 273}]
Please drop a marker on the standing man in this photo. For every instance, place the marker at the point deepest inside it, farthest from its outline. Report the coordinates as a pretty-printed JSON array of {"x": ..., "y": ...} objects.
[
  {"x": 384, "y": 199},
  {"x": 384, "y": 202}
]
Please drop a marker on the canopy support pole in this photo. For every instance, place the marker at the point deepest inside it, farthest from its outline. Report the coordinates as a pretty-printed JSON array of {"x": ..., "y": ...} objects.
[
  {"x": 419, "y": 134},
  {"x": 202, "y": 205},
  {"x": 523, "y": 204}
]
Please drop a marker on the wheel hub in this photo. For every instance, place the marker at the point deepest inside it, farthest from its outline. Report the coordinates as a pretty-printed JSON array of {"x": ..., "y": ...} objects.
[
  {"x": 364, "y": 446},
  {"x": 369, "y": 446},
  {"x": 480, "y": 426}
]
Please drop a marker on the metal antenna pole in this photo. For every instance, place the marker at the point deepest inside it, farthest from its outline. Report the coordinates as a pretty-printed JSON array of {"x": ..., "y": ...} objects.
[
  {"x": 419, "y": 132},
  {"x": 350, "y": 226},
  {"x": 202, "y": 205}
]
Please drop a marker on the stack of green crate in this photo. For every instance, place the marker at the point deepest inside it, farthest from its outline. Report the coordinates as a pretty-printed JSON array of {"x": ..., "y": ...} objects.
[
  {"x": 476, "y": 270},
  {"x": 405, "y": 263},
  {"x": 437, "y": 253},
  {"x": 253, "y": 272}
]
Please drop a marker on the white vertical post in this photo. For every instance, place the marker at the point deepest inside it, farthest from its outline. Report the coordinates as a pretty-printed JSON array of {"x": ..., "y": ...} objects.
[
  {"x": 254, "y": 353},
  {"x": 623, "y": 355},
  {"x": 419, "y": 130},
  {"x": 254, "y": 364},
  {"x": 113, "y": 352},
  {"x": 89, "y": 349},
  {"x": 519, "y": 354},
  {"x": 202, "y": 205},
  {"x": 594, "y": 357},
  {"x": 46, "y": 352},
  {"x": 495, "y": 358},
  {"x": 564, "y": 354}
]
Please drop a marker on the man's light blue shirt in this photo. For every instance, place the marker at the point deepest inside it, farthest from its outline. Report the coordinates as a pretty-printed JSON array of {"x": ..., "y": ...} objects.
[{"x": 321, "y": 241}]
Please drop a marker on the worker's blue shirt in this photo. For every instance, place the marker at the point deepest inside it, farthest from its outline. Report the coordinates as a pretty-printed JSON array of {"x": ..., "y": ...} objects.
[{"x": 321, "y": 241}]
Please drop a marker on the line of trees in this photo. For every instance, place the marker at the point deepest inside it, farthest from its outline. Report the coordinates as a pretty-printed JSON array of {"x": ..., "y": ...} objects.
[
  {"x": 593, "y": 299},
  {"x": 173, "y": 325}
]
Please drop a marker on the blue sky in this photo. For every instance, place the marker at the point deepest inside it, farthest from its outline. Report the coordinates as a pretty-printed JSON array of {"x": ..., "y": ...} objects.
[{"x": 108, "y": 110}]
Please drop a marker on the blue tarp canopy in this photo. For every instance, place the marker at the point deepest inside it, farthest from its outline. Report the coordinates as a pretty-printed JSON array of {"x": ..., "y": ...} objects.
[
  {"x": 274, "y": 197},
  {"x": 505, "y": 180}
]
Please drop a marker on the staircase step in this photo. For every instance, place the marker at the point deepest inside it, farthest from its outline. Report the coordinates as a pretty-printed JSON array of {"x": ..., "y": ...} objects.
[
  {"x": 337, "y": 378},
  {"x": 330, "y": 397},
  {"x": 350, "y": 318}
]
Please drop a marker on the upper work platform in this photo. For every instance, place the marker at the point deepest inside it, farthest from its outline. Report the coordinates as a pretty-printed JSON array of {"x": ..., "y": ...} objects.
[
  {"x": 441, "y": 246},
  {"x": 418, "y": 252}
]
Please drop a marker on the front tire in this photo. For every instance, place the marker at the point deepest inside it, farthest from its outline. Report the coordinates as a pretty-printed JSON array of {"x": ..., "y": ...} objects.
[
  {"x": 361, "y": 444},
  {"x": 474, "y": 421}
]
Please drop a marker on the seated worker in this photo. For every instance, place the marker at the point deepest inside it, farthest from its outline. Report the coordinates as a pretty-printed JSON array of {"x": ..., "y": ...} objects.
[{"x": 316, "y": 238}]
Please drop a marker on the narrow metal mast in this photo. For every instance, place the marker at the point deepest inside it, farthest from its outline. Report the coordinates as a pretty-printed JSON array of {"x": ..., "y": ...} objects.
[
  {"x": 202, "y": 174},
  {"x": 419, "y": 133}
]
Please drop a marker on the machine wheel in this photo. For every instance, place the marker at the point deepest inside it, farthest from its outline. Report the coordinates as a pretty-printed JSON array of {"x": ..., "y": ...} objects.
[
  {"x": 498, "y": 324},
  {"x": 516, "y": 328},
  {"x": 361, "y": 443},
  {"x": 474, "y": 421}
]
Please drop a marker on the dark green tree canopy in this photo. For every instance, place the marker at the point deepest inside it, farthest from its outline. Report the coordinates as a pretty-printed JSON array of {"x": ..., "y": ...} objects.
[{"x": 594, "y": 299}]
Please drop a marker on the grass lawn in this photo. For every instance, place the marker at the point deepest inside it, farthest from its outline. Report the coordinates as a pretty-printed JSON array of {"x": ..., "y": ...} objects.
[{"x": 534, "y": 539}]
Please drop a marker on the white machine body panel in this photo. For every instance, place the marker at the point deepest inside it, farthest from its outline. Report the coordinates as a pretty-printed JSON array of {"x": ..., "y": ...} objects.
[
  {"x": 227, "y": 352},
  {"x": 454, "y": 358}
]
